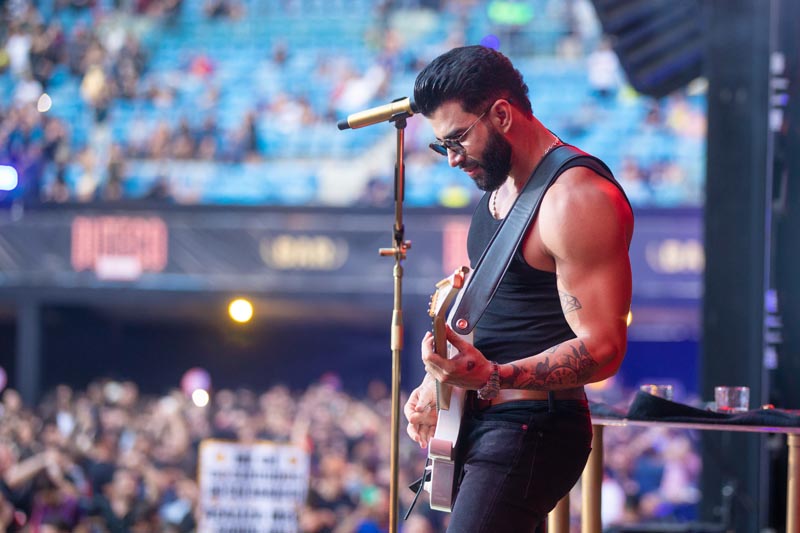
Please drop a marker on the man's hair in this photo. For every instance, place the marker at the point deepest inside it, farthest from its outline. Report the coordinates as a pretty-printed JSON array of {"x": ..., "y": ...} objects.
[{"x": 474, "y": 76}]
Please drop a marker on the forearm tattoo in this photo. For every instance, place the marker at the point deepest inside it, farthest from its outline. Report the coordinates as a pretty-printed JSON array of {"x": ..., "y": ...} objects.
[
  {"x": 570, "y": 364},
  {"x": 569, "y": 302}
]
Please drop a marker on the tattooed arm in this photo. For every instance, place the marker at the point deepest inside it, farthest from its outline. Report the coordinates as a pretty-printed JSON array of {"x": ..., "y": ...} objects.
[{"x": 582, "y": 232}]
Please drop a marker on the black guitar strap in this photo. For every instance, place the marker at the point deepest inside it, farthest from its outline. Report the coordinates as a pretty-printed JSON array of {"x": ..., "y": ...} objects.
[{"x": 495, "y": 259}]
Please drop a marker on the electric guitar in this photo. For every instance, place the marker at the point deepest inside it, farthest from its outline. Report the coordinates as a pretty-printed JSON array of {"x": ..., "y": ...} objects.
[{"x": 440, "y": 483}]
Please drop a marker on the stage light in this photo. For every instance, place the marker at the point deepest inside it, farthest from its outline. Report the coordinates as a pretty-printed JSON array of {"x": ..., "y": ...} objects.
[
  {"x": 454, "y": 196},
  {"x": 510, "y": 13},
  {"x": 629, "y": 319},
  {"x": 44, "y": 104},
  {"x": 600, "y": 386},
  {"x": 9, "y": 179},
  {"x": 200, "y": 397},
  {"x": 240, "y": 310},
  {"x": 491, "y": 41}
]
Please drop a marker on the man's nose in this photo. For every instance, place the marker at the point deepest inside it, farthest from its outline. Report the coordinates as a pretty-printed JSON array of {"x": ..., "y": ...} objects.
[{"x": 454, "y": 158}]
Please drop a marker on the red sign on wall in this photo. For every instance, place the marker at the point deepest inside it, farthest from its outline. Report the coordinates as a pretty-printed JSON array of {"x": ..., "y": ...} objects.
[{"x": 119, "y": 247}]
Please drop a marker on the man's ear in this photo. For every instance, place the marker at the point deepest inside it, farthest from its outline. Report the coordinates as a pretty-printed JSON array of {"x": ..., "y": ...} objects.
[{"x": 502, "y": 115}]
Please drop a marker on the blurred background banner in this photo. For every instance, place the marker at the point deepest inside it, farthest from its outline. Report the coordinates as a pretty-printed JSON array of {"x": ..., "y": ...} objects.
[{"x": 307, "y": 252}]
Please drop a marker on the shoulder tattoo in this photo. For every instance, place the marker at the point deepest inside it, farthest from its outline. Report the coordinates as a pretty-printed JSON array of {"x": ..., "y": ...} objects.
[{"x": 569, "y": 302}]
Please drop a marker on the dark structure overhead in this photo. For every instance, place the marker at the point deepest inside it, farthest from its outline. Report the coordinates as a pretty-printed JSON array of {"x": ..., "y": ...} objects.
[{"x": 660, "y": 43}]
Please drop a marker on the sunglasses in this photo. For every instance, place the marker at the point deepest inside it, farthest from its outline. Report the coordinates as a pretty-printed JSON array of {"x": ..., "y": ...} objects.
[{"x": 454, "y": 145}]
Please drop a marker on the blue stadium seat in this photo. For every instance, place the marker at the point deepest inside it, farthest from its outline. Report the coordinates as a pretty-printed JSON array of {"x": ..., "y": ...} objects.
[{"x": 322, "y": 33}]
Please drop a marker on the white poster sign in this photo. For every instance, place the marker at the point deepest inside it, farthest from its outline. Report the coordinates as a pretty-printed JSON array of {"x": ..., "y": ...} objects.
[{"x": 251, "y": 488}]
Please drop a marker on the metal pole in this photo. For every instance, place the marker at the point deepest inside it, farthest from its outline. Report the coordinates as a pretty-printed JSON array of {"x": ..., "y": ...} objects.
[
  {"x": 558, "y": 519},
  {"x": 793, "y": 482},
  {"x": 29, "y": 356},
  {"x": 398, "y": 251},
  {"x": 592, "y": 484}
]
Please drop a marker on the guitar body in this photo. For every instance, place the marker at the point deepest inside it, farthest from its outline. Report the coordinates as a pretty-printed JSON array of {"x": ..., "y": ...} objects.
[
  {"x": 449, "y": 402},
  {"x": 441, "y": 453}
]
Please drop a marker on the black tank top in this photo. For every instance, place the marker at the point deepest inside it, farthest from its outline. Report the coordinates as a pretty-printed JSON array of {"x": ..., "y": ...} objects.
[{"x": 525, "y": 315}]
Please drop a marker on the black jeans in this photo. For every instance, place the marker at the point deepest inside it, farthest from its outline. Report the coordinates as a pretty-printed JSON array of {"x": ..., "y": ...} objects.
[{"x": 518, "y": 460}]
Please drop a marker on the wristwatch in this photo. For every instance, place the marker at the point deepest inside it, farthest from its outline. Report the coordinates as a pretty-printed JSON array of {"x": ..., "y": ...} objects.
[{"x": 492, "y": 386}]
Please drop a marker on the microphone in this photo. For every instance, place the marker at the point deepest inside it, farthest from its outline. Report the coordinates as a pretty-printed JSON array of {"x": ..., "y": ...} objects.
[{"x": 378, "y": 114}]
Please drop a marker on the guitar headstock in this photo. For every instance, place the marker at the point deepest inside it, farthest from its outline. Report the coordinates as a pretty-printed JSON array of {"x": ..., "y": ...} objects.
[{"x": 446, "y": 290}]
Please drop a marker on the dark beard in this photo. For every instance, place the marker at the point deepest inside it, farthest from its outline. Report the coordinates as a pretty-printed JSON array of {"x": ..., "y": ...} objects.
[{"x": 495, "y": 162}]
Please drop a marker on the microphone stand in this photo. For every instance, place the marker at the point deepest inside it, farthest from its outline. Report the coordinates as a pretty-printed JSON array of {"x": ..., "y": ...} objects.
[{"x": 398, "y": 251}]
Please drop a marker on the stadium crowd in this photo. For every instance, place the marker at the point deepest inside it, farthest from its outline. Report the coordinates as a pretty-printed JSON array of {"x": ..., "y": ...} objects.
[
  {"x": 279, "y": 100},
  {"x": 109, "y": 459}
]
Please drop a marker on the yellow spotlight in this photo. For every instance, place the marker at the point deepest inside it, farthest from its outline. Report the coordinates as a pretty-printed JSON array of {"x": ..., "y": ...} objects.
[
  {"x": 629, "y": 320},
  {"x": 240, "y": 310},
  {"x": 600, "y": 386},
  {"x": 200, "y": 397}
]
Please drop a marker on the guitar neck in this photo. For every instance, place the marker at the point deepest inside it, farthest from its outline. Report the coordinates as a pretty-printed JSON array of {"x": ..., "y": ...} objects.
[
  {"x": 443, "y": 392},
  {"x": 446, "y": 291},
  {"x": 443, "y": 395}
]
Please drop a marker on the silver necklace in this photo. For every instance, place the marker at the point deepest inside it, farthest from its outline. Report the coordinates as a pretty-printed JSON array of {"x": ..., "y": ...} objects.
[{"x": 555, "y": 143}]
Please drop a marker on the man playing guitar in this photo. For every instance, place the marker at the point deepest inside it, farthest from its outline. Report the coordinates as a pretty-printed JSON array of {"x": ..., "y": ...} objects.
[{"x": 557, "y": 320}]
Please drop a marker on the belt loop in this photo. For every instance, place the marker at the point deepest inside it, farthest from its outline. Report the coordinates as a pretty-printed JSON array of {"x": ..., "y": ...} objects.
[{"x": 551, "y": 401}]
